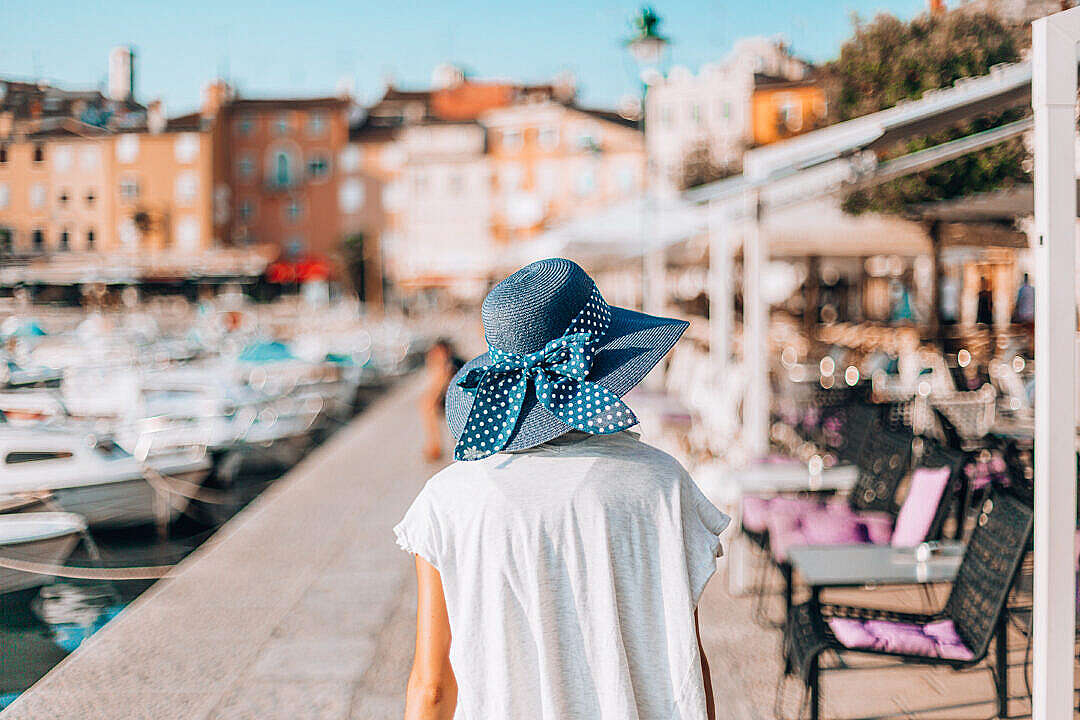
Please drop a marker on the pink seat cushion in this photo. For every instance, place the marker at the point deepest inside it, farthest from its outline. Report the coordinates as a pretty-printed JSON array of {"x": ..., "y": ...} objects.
[
  {"x": 757, "y": 511},
  {"x": 921, "y": 505},
  {"x": 936, "y": 639},
  {"x": 831, "y": 525}
]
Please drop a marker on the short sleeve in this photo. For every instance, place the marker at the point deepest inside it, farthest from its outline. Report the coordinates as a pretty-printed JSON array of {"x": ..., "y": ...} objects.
[
  {"x": 418, "y": 531},
  {"x": 702, "y": 523}
]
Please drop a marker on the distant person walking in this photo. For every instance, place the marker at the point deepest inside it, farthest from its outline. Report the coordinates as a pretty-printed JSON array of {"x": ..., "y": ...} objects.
[
  {"x": 984, "y": 313},
  {"x": 441, "y": 363},
  {"x": 1024, "y": 312},
  {"x": 560, "y": 561}
]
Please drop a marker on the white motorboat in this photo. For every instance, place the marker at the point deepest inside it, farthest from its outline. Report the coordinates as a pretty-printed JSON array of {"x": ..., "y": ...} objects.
[
  {"x": 96, "y": 478},
  {"x": 44, "y": 539}
]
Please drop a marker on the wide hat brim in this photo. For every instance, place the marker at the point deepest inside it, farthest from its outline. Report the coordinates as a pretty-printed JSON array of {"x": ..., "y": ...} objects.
[{"x": 634, "y": 344}]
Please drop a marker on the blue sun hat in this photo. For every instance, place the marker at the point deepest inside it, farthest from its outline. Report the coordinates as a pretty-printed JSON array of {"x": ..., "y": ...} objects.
[{"x": 559, "y": 359}]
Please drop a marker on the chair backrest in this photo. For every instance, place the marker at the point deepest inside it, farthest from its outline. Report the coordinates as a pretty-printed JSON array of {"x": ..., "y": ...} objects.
[
  {"x": 854, "y": 423},
  {"x": 986, "y": 574},
  {"x": 934, "y": 500},
  {"x": 884, "y": 461}
]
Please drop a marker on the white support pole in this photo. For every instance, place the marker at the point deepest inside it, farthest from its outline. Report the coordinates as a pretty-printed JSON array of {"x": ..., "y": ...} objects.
[
  {"x": 719, "y": 291},
  {"x": 1054, "y": 87},
  {"x": 755, "y": 334}
]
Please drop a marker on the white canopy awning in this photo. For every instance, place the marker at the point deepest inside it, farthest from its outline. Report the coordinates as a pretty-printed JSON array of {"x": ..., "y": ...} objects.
[{"x": 617, "y": 232}]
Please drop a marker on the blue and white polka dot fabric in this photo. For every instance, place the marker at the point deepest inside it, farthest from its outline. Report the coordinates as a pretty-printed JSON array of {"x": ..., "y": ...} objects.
[{"x": 557, "y": 373}]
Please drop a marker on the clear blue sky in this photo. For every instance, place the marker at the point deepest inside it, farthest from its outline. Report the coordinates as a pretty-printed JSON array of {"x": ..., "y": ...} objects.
[{"x": 275, "y": 47}]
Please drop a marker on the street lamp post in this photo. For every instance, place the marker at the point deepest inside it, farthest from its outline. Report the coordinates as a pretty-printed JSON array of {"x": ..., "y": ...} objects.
[{"x": 647, "y": 47}]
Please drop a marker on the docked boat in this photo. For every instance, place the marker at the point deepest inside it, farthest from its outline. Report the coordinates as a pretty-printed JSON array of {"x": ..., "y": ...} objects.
[
  {"x": 42, "y": 539},
  {"x": 95, "y": 477}
]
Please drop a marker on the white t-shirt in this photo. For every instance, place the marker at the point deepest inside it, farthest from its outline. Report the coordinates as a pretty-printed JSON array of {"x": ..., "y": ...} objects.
[{"x": 571, "y": 572}]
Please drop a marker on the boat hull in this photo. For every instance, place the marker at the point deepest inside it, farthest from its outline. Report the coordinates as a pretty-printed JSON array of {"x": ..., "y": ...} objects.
[
  {"x": 122, "y": 504},
  {"x": 52, "y": 551}
]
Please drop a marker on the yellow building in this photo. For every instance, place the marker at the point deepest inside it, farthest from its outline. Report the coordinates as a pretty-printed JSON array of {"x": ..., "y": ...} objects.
[
  {"x": 66, "y": 186},
  {"x": 781, "y": 108}
]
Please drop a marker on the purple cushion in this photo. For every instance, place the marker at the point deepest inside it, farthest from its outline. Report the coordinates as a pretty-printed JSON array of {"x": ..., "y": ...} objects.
[
  {"x": 920, "y": 506},
  {"x": 936, "y": 639},
  {"x": 816, "y": 526},
  {"x": 879, "y": 527},
  {"x": 755, "y": 513},
  {"x": 829, "y": 527}
]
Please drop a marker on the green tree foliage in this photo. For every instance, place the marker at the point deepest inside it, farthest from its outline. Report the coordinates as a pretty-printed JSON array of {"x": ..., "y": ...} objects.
[{"x": 887, "y": 61}]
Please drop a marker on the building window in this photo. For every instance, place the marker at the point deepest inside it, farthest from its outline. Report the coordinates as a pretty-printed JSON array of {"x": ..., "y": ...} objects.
[
  {"x": 91, "y": 197},
  {"x": 350, "y": 159},
  {"x": 293, "y": 211},
  {"x": 420, "y": 183},
  {"x": 245, "y": 167},
  {"x": 65, "y": 240},
  {"x": 90, "y": 239},
  {"x": 63, "y": 197},
  {"x": 316, "y": 124},
  {"x": 187, "y": 188},
  {"x": 282, "y": 124},
  {"x": 667, "y": 117},
  {"x": 351, "y": 196},
  {"x": 586, "y": 182},
  {"x": 724, "y": 109},
  {"x": 549, "y": 138},
  {"x": 186, "y": 148},
  {"x": 5, "y": 196},
  {"x": 318, "y": 166},
  {"x": 244, "y": 125},
  {"x": 512, "y": 140},
  {"x": 7, "y": 243},
  {"x": 129, "y": 188},
  {"x": 695, "y": 113},
  {"x": 3, "y": 154},
  {"x": 294, "y": 246},
  {"x": 187, "y": 233},
  {"x": 38, "y": 195},
  {"x": 38, "y": 239},
  {"x": 90, "y": 158},
  {"x": 282, "y": 169},
  {"x": 62, "y": 158},
  {"x": 246, "y": 210},
  {"x": 39, "y": 153},
  {"x": 789, "y": 115},
  {"x": 589, "y": 141},
  {"x": 127, "y": 148}
]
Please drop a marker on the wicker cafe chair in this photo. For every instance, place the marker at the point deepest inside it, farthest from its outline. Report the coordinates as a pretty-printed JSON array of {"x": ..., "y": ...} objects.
[
  {"x": 845, "y": 423},
  {"x": 885, "y": 461},
  {"x": 958, "y": 637}
]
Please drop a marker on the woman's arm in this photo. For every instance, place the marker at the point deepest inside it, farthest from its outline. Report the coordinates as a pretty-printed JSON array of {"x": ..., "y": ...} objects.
[
  {"x": 432, "y": 691},
  {"x": 710, "y": 703}
]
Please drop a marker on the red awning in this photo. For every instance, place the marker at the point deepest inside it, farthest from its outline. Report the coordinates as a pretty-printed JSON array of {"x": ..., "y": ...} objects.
[{"x": 303, "y": 270}]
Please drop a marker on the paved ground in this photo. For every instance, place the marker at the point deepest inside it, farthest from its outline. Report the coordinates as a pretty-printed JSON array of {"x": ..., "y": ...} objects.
[{"x": 302, "y": 607}]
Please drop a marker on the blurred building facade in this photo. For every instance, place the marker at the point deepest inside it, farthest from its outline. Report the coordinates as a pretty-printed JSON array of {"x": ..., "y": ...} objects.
[
  {"x": 758, "y": 94},
  {"x": 469, "y": 167},
  {"x": 425, "y": 188}
]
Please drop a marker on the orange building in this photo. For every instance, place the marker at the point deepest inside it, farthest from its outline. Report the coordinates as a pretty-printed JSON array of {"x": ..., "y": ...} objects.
[
  {"x": 781, "y": 108},
  {"x": 70, "y": 187},
  {"x": 552, "y": 161},
  {"x": 280, "y": 165}
]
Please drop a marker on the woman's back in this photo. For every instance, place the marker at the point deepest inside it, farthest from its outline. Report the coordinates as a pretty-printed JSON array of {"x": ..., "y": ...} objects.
[{"x": 571, "y": 572}]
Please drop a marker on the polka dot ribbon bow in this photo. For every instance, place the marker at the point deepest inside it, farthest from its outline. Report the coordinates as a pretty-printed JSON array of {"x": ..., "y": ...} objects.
[{"x": 557, "y": 373}]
